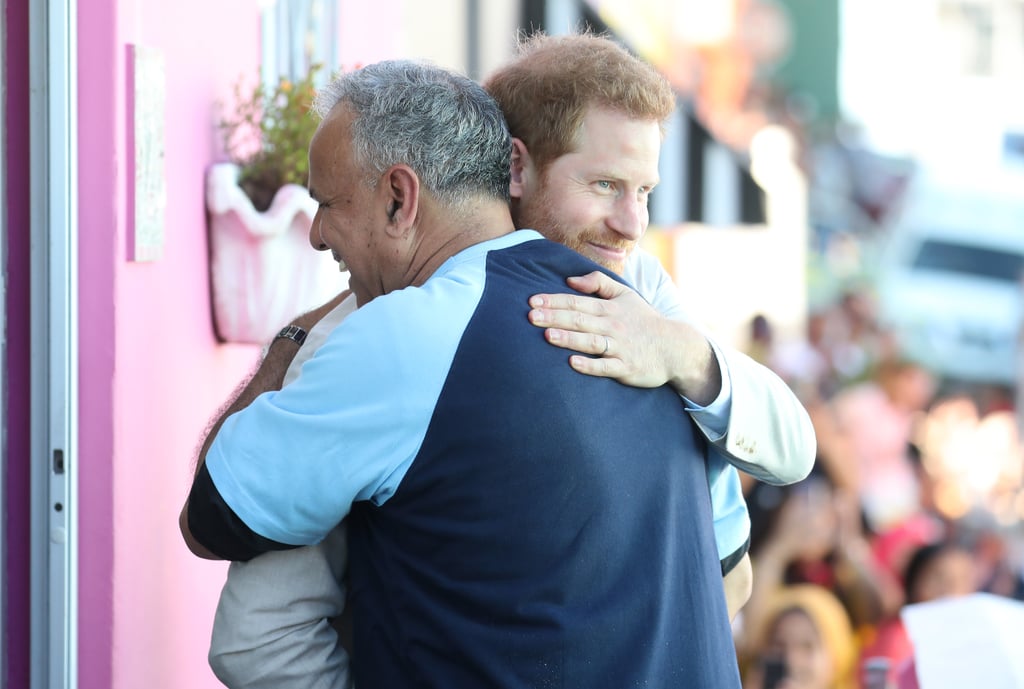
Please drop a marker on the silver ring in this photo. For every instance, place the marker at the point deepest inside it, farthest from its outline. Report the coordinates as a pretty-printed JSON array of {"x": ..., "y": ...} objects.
[{"x": 605, "y": 346}]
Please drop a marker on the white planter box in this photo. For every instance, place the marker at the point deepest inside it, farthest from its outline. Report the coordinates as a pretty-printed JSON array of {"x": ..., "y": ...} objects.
[{"x": 263, "y": 271}]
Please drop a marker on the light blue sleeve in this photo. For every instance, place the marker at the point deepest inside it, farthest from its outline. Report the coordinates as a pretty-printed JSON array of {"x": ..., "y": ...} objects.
[
  {"x": 729, "y": 509},
  {"x": 292, "y": 463}
]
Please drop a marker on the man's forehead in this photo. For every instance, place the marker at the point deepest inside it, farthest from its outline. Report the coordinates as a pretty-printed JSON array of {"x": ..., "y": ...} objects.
[
  {"x": 616, "y": 144},
  {"x": 328, "y": 165},
  {"x": 335, "y": 125},
  {"x": 331, "y": 139},
  {"x": 606, "y": 117}
]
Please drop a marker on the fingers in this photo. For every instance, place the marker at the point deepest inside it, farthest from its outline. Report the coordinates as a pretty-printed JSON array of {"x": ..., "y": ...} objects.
[
  {"x": 594, "y": 306},
  {"x": 603, "y": 367},
  {"x": 598, "y": 284},
  {"x": 600, "y": 361},
  {"x": 585, "y": 343},
  {"x": 585, "y": 320}
]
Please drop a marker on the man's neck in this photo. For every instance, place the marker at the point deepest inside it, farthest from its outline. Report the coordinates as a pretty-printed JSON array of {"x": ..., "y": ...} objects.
[{"x": 440, "y": 240}]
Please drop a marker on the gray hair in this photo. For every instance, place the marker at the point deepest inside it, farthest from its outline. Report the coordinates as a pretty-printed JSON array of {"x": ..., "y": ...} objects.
[{"x": 441, "y": 124}]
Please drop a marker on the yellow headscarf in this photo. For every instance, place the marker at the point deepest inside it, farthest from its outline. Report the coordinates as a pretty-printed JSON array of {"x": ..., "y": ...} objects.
[{"x": 830, "y": 619}]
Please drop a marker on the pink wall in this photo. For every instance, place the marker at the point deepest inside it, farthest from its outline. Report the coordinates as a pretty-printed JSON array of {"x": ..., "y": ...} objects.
[
  {"x": 367, "y": 31},
  {"x": 97, "y": 218},
  {"x": 151, "y": 372}
]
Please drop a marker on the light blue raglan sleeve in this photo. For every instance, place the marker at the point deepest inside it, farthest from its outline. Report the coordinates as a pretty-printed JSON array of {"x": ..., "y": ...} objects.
[
  {"x": 292, "y": 463},
  {"x": 729, "y": 509}
]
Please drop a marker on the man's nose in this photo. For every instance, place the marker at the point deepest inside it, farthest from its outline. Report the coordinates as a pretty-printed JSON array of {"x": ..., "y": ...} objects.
[
  {"x": 316, "y": 236},
  {"x": 629, "y": 217}
]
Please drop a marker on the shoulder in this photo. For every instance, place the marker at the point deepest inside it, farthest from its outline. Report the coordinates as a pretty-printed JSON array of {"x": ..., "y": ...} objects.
[
  {"x": 644, "y": 270},
  {"x": 422, "y": 323}
]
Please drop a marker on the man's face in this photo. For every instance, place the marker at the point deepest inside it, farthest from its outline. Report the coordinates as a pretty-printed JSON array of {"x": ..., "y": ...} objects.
[
  {"x": 348, "y": 219},
  {"x": 594, "y": 199}
]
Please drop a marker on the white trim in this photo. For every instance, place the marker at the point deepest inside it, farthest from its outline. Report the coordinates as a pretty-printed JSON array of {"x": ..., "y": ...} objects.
[
  {"x": 721, "y": 173},
  {"x": 562, "y": 17},
  {"x": 54, "y": 324},
  {"x": 296, "y": 34},
  {"x": 269, "y": 73},
  {"x": 668, "y": 202}
]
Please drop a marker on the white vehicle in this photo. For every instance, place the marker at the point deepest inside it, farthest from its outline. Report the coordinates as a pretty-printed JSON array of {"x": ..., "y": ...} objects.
[{"x": 951, "y": 283}]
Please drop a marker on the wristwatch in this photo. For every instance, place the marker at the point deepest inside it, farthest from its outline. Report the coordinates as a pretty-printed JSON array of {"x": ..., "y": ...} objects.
[{"x": 293, "y": 333}]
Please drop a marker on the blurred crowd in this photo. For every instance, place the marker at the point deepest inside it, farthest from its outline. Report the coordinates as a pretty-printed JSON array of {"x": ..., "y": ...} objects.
[{"x": 916, "y": 495}]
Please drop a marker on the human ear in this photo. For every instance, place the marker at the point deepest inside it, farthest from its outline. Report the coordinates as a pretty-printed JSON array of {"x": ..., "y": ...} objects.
[
  {"x": 521, "y": 168},
  {"x": 402, "y": 193}
]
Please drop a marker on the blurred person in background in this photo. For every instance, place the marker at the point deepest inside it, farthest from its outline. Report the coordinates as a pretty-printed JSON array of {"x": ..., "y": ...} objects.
[
  {"x": 856, "y": 341},
  {"x": 761, "y": 341},
  {"x": 996, "y": 557},
  {"x": 973, "y": 472},
  {"x": 874, "y": 425},
  {"x": 805, "y": 641},
  {"x": 934, "y": 571},
  {"x": 812, "y": 533},
  {"x": 806, "y": 363},
  {"x": 893, "y": 547},
  {"x": 842, "y": 345}
]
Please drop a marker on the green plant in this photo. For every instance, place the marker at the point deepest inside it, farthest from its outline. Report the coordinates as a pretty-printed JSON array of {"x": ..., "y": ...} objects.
[{"x": 267, "y": 135}]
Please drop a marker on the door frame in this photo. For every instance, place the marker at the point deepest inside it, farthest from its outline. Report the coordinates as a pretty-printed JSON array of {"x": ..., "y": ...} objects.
[{"x": 53, "y": 103}]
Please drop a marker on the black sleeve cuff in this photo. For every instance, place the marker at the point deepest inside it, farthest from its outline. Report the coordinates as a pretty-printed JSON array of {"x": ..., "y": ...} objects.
[
  {"x": 216, "y": 526},
  {"x": 730, "y": 561}
]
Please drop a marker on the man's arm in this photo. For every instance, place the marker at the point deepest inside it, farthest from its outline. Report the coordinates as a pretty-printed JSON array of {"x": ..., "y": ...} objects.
[
  {"x": 268, "y": 376},
  {"x": 272, "y": 628},
  {"x": 286, "y": 469},
  {"x": 767, "y": 431},
  {"x": 738, "y": 584}
]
